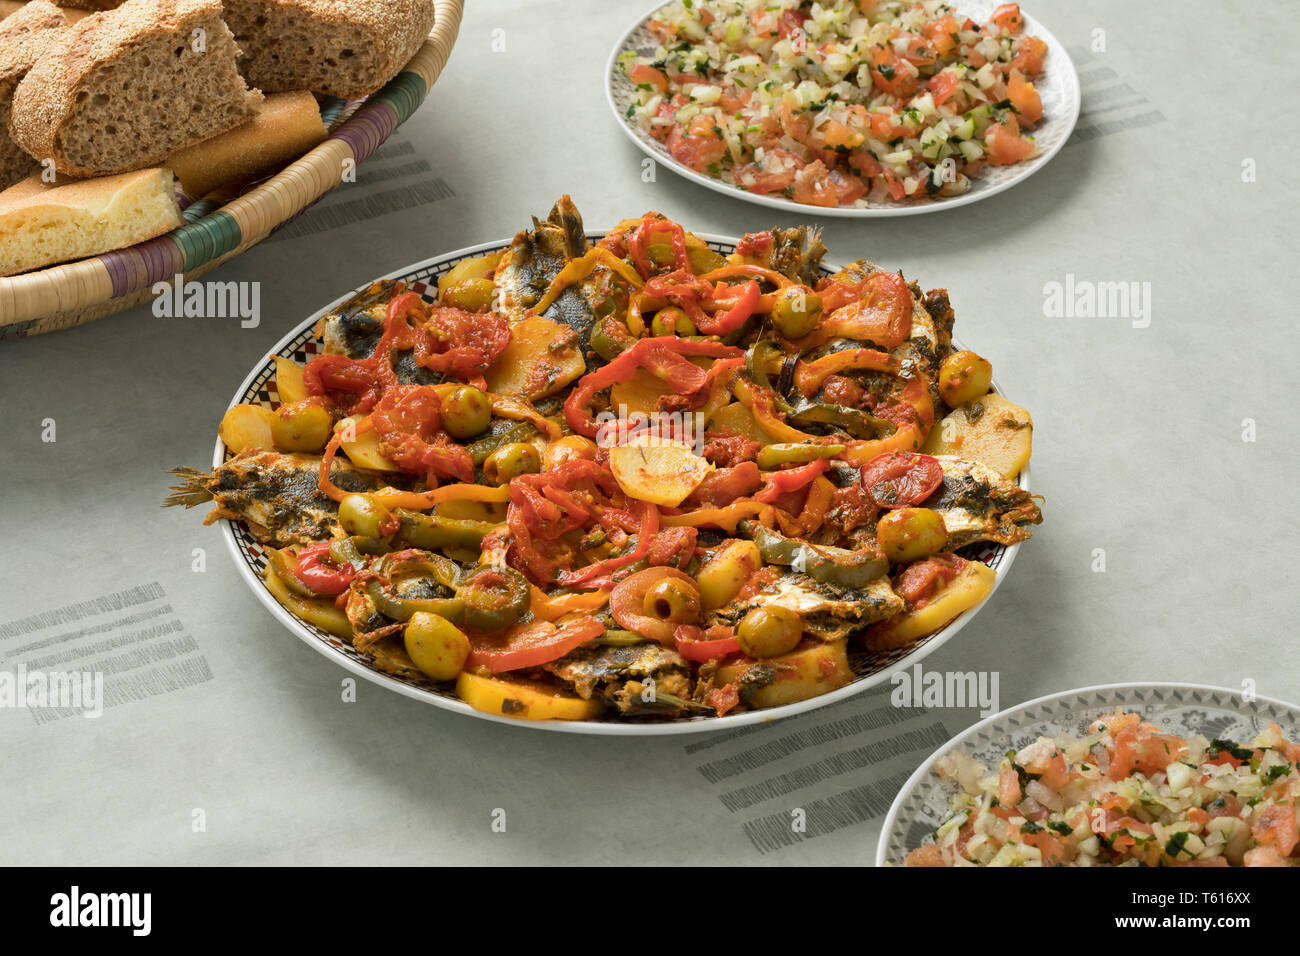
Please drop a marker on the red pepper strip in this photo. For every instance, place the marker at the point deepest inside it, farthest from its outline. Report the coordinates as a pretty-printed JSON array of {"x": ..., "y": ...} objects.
[
  {"x": 316, "y": 572},
  {"x": 637, "y": 241},
  {"x": 645, "y": 534},
  {"x": 695, "y": 644},
  {"x": 400, "y": 309},
  {"x": 726, "y": 322},
  {"x": 649, "y": 353},
  {"x": 790, "y": 479}
]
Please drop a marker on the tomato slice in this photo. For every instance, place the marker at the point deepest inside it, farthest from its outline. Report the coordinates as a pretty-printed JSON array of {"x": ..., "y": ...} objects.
[
  {"x": 901, "y": 479},
  {"x": 627, "y": 604},
  {"x": 530, "y": 645},
  {"x": 921, "y": 580}
]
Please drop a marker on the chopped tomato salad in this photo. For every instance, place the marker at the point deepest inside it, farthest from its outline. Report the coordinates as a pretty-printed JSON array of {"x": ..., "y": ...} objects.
[
  {"x": 1127, "y": 794},
  {"x": 839, "y": 103}
]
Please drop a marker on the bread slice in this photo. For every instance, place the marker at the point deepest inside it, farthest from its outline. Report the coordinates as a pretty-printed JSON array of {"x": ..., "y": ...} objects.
[
  {"x": 335, "y": 47},
  {"x": 287, "y": 125},
  {"x": 43, "y": 223},
  {"x": 70, "y": 11},
  {"x": 24, "y": 36},
  {"x": 125, "y": 89}
]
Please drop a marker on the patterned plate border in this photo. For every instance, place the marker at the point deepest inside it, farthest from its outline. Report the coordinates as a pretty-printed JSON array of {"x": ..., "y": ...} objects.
[
  {"x": 1058, "y": 87},
  {"x": 259, "y": 387},
  {"x": 1184, "y": 709}
]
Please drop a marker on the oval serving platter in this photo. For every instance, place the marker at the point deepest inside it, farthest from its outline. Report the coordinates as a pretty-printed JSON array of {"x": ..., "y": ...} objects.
[
  {"x": 870, "y": 668},
  {"x": 1183, "y": 709},
  {"x": 1058, "y": 87}
]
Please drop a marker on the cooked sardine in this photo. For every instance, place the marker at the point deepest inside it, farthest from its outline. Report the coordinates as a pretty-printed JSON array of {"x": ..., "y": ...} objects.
[
  {"x": 978, "y": 504},
  {"x": 829, "y": 611},
  {"x": 274, "y": 494}
]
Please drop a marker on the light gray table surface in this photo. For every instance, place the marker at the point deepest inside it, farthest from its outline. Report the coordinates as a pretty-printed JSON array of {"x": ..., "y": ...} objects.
[{"x": 1139, "y": 451}]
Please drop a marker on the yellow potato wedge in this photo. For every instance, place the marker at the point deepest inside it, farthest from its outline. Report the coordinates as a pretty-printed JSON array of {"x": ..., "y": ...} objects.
[
  {"x": 321, "y": 613},
  {"x": 301, "y": 426},
  {"x": 810, "y": 670},
  {"x": 726, "y": 571},
  {"x": 640, "y": 394},
  {"x": 962, "y": 593},
  {"x": 363, "y": 449},
  {"x": 541, "y": 359},
  {"x": 248, "y": 426},
  {"x": 288, "y": 380},
  {"x": 991, "y": 430},
  {"x": 658, "y": 470},
  {"x": 526, "y": 700}
]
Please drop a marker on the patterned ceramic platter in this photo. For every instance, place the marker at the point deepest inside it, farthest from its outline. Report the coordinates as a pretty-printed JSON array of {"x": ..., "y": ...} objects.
[
  {"x": 1182, "y": 709},
  {"x": 1058, "y": 87},
  {"x": 260, "y": 388}
]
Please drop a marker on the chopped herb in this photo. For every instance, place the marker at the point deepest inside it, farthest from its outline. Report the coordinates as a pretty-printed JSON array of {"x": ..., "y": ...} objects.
[{"x": 1176, "y": 843}]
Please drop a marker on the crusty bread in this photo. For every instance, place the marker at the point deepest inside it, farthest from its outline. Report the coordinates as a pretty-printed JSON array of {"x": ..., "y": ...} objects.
[
  {"x": 43, "y": 223},
  {"x": 93, "y": 4},
  {"x": 71, "y": 12},
  {"x": 125, "y": 89},
  {"x": 24, "y": 36},
  {"x": 336, "y": 47},
  {"x": 287, "y": 125}
]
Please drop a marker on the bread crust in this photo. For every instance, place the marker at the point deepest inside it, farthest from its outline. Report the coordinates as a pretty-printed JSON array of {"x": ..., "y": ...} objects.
[
  {"x": 394, "y": 28},
  {"x": 47, "y": 96}
]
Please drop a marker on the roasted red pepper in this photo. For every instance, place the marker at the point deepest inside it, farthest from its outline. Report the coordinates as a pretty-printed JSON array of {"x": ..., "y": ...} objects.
[
  {"x": 790, "y": 479},
  {"x": 315, "y": 570},
  {"x": 663, "y": 356}
]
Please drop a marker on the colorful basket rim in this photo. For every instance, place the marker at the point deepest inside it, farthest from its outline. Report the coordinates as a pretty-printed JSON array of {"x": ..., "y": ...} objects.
[{"x": 74, "y": 293}]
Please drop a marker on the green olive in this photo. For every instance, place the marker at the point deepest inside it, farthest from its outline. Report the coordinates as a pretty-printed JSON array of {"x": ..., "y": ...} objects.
[
  {"x": 510, "y": 461},
  {"x": 466, "y": 412},
  {"x": 964, "y": 377},
  {"x": 673, "y": 600},
  {"x": 301, "y": 426},
  {"x": 797, "y": 312},
  {"x": 472, "y": 295},
  {"x": 364, "y": 517},
  {"x": 436, "y": 646},
  {"x": 672, "y": 320},
  {"x": 769, "y": 632},
  {"x": 909, "y": 534}
]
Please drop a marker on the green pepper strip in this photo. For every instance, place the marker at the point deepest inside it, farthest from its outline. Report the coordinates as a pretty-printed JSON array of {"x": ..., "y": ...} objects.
[
  {"x": 837, "y": 566},
  {"x": 774, "y": 456},
  {"x": 402, "y": 609},
  {"x": 620, "y": 638},
  {"x": 432, "y": 532},
  {"x": 494, "y": 597},
  {"x": 479, "y": 450},
  {"x": 854, "y": 421},
  {"x": 756, "y": 360}
]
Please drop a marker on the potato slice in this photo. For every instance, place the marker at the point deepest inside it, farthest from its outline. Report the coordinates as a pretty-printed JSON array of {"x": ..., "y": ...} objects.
[
  {"x": 658, "y": 470},
  {"x": 247, "y": 426},
  {"x": 288, "y": 380},
  {"x": 738, "y": 419},
  {"x": 726, "y": 571},
  {"x": 962, "y": 593},
  {"x": 810, "y": 670},
  {"x": 640, "y": 394},
  {"x": 524, "y": 699},
  {"x": 541, "y": 359},
  {"x": 991, "y": 430},
  {"x": 363, "y": 450}
]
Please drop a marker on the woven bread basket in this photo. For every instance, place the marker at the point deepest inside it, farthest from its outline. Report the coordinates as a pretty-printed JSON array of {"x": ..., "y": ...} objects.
[{"x": 63, "y": 296}]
